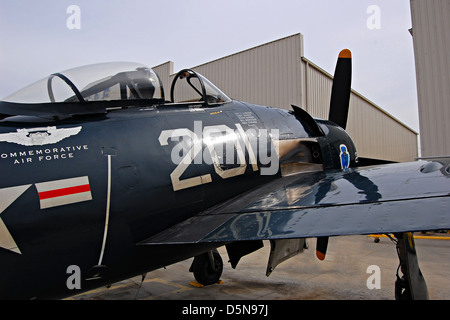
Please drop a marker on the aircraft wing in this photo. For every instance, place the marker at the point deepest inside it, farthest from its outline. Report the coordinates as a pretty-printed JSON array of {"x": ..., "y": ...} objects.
[{"x": 392, "y": 198}]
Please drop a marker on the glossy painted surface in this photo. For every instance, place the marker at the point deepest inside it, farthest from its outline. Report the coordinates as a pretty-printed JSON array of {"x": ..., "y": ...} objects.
[
  {"x": 354, "y": 201},
  {"x": 120, "y": 188}
]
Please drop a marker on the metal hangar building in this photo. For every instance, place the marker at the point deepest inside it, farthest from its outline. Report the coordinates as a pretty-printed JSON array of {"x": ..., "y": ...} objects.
[
  {"x": 277, "y": 74},
  {"x": 431, "y": 39}
]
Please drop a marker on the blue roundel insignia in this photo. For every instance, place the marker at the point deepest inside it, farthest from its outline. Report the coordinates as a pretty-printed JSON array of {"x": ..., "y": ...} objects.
[{"x": 344, "y": 156}]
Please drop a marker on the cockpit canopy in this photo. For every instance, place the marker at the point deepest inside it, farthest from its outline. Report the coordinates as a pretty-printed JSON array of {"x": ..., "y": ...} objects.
[
  {"x": 99, "y": 82},
  {"x": 100, "y": 88}
]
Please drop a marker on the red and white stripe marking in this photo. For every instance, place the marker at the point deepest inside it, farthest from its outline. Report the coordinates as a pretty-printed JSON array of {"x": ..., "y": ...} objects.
[{"x": 66, "y": 191}]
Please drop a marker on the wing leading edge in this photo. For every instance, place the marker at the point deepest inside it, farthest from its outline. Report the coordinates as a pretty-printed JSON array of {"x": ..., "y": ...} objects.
[{"x": 390, "y": 198}]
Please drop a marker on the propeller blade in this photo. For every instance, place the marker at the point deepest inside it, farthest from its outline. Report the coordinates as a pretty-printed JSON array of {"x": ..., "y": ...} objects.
[
  {"x": 340, "y": 92},
  {"x": 339, "y": 105},
  {"x": 321, "y": 247}
]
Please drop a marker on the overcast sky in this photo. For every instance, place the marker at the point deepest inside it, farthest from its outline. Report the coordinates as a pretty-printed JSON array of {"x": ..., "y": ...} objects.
[{"x": 40, "y": 37}]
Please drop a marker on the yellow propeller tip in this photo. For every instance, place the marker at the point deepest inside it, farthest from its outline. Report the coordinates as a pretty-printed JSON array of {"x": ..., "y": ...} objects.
[
  {"x": 345, "y": 54},
  {"x": 320, "y": 255}
]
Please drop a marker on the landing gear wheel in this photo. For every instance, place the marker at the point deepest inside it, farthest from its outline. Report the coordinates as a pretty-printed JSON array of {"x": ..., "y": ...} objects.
[{"x": 207, "y": 268}]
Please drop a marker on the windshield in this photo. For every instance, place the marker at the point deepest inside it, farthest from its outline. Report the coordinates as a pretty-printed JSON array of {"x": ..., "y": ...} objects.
[
  {"x": 190, "y": 86},
  {"x": 98, "y": 82}
]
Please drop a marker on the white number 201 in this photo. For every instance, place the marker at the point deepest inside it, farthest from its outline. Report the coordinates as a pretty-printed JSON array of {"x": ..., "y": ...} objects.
[{"x": 196, "y": 147}]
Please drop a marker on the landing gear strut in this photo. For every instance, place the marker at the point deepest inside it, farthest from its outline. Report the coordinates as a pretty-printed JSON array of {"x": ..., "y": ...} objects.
[
  {"x": 411, "y": 286},
  {"x": 207, "y": 267}
]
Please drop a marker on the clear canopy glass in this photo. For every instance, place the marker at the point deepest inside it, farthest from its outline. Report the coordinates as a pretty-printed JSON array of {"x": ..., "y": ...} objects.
[{"x": 98, "y": 82}]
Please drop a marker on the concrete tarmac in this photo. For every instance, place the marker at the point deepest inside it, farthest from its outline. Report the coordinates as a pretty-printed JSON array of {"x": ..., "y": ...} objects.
[{"x": 343, "y": 275}]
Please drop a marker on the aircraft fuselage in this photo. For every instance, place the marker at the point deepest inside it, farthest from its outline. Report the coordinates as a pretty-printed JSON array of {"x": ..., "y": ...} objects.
[{"x": 85, "y": 191}]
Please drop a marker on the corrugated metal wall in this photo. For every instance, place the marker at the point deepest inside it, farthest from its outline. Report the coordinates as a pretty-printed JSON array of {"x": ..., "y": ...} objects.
[
  {"x": 431, "y": 37},
  {"x": 276, "y": 74},
  {"x": 269, "y": 74},
  {"x": 164, "y": 71},
  {"x": 376, "y": 133},
  {"x": 317, "y": 88}
]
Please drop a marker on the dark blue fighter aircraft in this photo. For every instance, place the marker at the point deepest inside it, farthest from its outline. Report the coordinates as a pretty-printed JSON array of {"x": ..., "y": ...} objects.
[{"x": 104, "y": 178}]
